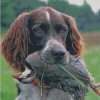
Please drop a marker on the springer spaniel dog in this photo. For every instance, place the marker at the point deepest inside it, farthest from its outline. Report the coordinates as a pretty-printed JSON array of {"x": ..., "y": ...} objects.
[{"x": 33, "y": 31}]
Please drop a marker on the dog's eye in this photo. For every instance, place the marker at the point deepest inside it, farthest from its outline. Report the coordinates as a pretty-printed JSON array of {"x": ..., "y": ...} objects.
[
  {"x": 62, "y": 31},
  {"x": 39, "y": 30}
]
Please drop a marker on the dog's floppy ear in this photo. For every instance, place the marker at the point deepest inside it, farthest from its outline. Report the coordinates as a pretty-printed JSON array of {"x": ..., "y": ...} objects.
[
  {"x": 74, "y": 41},
  {"x": 14, "y": 46}
]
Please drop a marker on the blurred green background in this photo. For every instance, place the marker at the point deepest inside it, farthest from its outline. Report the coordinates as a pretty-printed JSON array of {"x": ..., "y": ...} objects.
[{"x": 88, "y": 24}]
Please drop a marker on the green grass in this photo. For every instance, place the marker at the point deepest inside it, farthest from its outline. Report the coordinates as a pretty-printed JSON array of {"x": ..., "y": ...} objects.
[
  {"x": 92, "y": 59},
  {"x": 8, "y": 89}
]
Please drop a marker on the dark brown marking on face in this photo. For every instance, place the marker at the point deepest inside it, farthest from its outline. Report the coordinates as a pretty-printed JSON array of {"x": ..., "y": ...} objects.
[{"x": 51, "y": 25}]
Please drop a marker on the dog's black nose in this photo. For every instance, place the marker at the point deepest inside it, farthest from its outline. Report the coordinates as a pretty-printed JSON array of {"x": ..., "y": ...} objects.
[{"x": 58, "y": 53}]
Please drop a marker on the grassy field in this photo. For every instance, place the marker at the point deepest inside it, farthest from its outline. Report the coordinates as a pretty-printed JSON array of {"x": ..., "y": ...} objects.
[
  {"x": 92, "y": 60},
  {"x": 8, "y": 89}
]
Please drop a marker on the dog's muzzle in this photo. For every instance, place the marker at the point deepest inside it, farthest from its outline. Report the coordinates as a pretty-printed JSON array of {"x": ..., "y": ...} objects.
[{"x": 54, "y": 52}]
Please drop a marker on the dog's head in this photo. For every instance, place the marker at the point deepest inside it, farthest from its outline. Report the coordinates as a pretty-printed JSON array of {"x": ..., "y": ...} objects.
[{"x": 43, "y": 29}]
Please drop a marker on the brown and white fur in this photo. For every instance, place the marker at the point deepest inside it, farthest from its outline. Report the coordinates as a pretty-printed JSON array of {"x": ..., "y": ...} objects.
[{"x": 31, "y": 32}]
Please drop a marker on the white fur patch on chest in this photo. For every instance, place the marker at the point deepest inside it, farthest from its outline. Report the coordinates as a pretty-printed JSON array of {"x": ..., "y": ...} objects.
[{"x": 47, "y": 15}]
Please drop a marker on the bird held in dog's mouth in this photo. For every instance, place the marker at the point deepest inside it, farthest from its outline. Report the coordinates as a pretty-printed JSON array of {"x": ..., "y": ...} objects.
[{"x": 54, "y": 76}]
